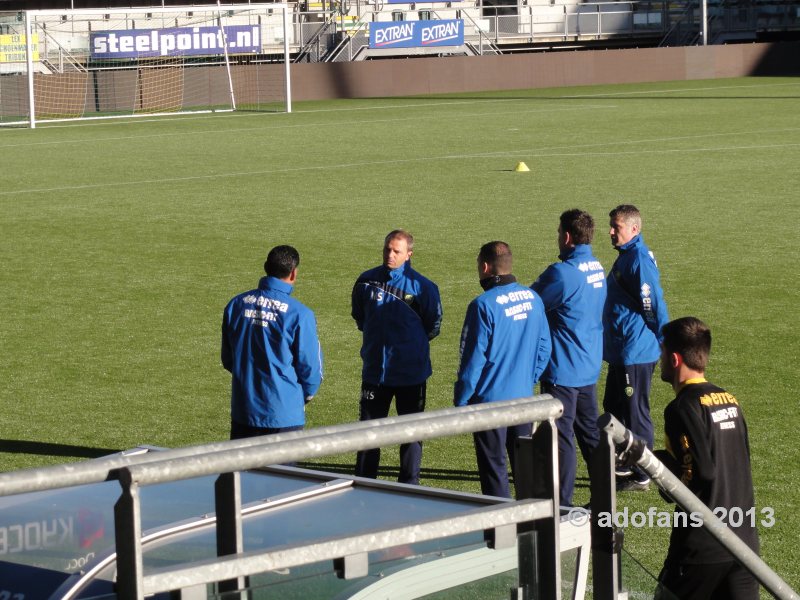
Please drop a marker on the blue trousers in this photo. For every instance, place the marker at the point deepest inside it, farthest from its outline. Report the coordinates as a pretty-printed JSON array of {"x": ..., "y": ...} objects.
[
  {"x": 627, "y": 397},
  {"x": 490, "y": 451},
  {"x": 578, "y": 421},
  {"x": 375, "y": 403}
]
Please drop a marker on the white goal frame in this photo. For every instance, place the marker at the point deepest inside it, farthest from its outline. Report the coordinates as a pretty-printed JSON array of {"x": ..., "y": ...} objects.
[{"x": 268, "y": 17}]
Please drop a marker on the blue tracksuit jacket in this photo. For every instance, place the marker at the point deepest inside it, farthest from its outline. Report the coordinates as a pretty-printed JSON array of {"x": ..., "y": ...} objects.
[
  {"x": 574, "y": 292},
  {"x": 505, "y": 346},
  {"x": 635, "y": 310},
  {"x": 270, "y": 346},
  {"x": 398, "y": 311}
]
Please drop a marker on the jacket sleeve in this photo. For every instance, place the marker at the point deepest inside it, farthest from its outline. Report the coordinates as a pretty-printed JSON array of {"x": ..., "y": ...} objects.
[
  {"x": 475, "y": 336},
  {"x": 357, "y": 304},
  {"x": 432, "y": 311},
  {"x": 550, "y": 287},
  {"x": 308, "y": 354},
  {"x": 545, "y": 345},
  {"x": 226, "y": 354},
  {"x": 651, "y": 297}
]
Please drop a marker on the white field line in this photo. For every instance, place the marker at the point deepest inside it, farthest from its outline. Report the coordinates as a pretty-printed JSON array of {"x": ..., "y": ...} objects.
[
  {"x": 515, "y": 153},
  {"x": 360, "y": 122},
  {"x": 384, "y": 107}
]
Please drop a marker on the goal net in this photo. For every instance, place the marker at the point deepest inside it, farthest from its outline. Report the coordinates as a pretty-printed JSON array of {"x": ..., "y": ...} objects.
[{"x": 106, "y": 63}]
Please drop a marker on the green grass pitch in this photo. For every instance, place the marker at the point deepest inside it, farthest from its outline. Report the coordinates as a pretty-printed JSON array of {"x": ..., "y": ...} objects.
[{"x": 122, "y": 242}]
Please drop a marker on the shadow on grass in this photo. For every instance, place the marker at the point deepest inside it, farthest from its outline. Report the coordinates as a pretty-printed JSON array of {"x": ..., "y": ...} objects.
[
  {"x": 393, "y": 472},
  {"x": 50, "y": 449}
]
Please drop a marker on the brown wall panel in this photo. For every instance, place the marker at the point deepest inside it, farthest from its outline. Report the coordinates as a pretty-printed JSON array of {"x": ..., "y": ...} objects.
[{"x": 401, "y": 77}]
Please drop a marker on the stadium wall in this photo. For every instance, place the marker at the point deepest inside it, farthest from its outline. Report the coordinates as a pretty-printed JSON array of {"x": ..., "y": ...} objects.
[
  {"x": 401, "y": 77},
  {"x": 206, "y": 86}
]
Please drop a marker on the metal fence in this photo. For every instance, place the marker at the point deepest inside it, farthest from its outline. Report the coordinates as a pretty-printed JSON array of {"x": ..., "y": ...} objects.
[{"x": 228, "y": 459}]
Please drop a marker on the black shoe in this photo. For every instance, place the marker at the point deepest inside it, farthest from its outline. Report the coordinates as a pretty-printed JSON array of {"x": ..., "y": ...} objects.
[{"x": 634, "y": 485}]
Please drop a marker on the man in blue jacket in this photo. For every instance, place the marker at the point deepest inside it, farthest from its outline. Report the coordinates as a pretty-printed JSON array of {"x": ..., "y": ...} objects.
[
  {"x": 573, "y": 292},
  {"x": 505, "y": 347},
  {"x": 270, "y": 346},
  {"x": 398, "y": 312},
  {"x": 635, "y": 312}
]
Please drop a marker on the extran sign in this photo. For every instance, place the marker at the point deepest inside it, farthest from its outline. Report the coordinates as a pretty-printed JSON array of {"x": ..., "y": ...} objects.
[
  {"x": 416, "y": 34},
  {"x": 175, "y": 41}
]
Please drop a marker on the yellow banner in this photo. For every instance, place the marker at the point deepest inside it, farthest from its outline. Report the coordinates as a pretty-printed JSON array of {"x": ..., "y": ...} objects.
[{"x": 12, "y": 48}]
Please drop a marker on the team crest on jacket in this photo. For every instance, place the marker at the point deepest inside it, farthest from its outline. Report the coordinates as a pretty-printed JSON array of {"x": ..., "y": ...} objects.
[{"x": 629, "y": 392}]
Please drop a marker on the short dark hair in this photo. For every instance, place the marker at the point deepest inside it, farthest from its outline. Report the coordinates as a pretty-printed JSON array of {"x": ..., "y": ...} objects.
[
  {"x": 628, "y": 212},
  {"x": 498, "y": 256},
  {"x": 281, "y": 260},
  {"x": 691, "y": 338},
  {"x": 579, "y": 224},
  {"x": 403, "y": 235}
]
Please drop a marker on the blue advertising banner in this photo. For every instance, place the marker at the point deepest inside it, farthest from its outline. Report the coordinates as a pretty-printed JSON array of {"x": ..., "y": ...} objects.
[
  {"x": 174, "y": 41},
  {"x": 416, "y": 34}
]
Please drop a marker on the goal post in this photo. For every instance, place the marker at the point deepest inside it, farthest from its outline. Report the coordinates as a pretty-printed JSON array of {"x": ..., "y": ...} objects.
[{"x": 63, "y": 65}]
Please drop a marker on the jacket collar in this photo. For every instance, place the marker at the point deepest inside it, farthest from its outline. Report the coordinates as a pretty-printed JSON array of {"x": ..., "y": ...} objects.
[
  {"x": 273, "y": 283},
  {"x": 578, "y": 250},
  {"x": 633, "y": 242},
  {"x": 488, "y": 283},
  {"x": 401, "y": 270}
]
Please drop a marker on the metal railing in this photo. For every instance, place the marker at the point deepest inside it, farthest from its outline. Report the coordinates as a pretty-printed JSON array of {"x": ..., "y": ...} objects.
[
  {"x": 228, "y": 459},
  {"x": 606, "y": 542}
]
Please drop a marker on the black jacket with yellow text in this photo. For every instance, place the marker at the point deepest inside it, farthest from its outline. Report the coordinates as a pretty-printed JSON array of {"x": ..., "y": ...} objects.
[{"x": 707, "y": 435}]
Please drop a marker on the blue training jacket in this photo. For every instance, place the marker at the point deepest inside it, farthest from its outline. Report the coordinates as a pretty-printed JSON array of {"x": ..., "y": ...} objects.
[
  {"x": 270, "y": 346},
  {"x": 398, "y": 311},
  {"x": 505, "y": 346},
  {"x": 574, "y": 292},
  {"x": 635, "y": 309}
]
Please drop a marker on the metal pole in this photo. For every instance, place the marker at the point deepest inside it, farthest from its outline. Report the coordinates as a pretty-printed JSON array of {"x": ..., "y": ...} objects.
[
  {"x": 224, "y": 40},
  {"x": 29, "y": 63},
  {"x": 286, "y": 61},
  {"x": 673, "y": 486},
  {"x": 536, "y": 408},
  {"x": 606, "y": 541},
  {"x": 705, "y": 22},
  {"x": 537, "y": 462},
  {"x": 368, "y": 434},
  {"x": 128, "y": 536},
  {"x": 228, "y": 501}
]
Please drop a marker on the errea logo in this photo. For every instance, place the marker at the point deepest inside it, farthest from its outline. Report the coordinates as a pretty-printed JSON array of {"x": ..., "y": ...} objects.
[
  {"x": 645, "y": 290},
  {"x": 502, "y": 299}
]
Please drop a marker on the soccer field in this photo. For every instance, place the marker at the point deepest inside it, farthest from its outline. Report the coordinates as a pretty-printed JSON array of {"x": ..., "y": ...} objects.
[{"x": 123, "y": 241}]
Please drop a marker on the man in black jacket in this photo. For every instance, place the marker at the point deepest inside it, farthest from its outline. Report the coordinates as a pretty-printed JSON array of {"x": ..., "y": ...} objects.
[{"x": 708, "y": 449}]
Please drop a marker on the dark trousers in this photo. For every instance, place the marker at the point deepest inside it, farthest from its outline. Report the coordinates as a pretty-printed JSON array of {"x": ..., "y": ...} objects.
[
  {"x": 490, "y": 451},
  {"x": 627, "y": 397},
  {"x": 578, "y": 421},
  {"x": 723, "y": 581},
  {"x": 240, "y": 431},
  {"x": 375, "y": 403}
]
